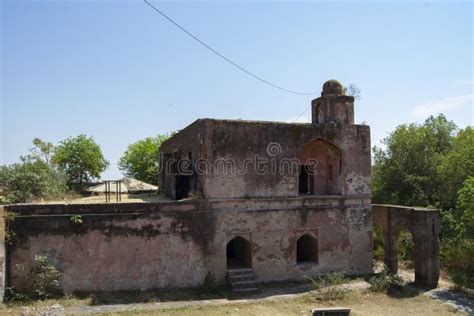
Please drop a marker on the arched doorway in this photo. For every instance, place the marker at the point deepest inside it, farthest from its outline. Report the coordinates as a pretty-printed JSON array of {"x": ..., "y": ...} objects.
[
  {"x": 320, "y": 166},
  {"x": 307, "y": 249},
  {"x": 239, "y": 253}
]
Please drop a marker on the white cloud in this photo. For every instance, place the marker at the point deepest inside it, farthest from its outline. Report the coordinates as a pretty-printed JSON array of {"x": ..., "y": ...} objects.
[{"x": 442, "y": 106}]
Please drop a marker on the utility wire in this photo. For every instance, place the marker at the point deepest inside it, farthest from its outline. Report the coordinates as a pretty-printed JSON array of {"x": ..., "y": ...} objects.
[
  {"x": 301, "y": 114},
  {"x": 223, "y": 57}
]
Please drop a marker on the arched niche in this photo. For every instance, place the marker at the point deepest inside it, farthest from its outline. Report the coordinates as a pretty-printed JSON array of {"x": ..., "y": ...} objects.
[
  {"x": 320, "y": 168},
  {"x": 239, "y": 253},
  {"x": 307, "y": 249}
]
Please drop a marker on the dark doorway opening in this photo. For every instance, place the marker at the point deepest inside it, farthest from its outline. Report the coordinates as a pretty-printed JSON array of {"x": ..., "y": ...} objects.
[
  {"x": 239, "y": 253},
  {"x": 183, "y": 187},
  {"x": 306, "y": 181},
  {"x": 307, "y": 249}
]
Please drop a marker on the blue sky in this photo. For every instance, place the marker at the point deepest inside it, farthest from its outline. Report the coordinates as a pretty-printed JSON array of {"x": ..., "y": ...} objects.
[{"x": 119, "y": 72}]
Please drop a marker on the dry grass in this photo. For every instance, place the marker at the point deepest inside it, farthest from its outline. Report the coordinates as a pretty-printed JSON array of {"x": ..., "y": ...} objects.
[
  {"x": 197, "y": 301},
  {"x": 361, "y": 303}
]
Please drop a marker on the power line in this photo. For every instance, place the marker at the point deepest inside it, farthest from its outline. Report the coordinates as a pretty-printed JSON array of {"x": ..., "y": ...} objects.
[
  {"x": 223, "y": 57},
  {"x": 302, "y": 114}
]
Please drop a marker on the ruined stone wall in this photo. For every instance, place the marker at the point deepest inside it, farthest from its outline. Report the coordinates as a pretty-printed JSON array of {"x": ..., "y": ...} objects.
[
  {"x": 424, "y": 224},
  {"x": 190, "y": 141},
  {"x": 275, "y": 144},
  {"x": 129, "y": 246}
]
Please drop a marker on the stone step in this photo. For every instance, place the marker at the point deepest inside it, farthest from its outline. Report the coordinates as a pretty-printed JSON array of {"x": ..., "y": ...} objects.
[
  {"x": 242, "y": 279},
  {"x": 238, "y": 273},
  {"x": 245, "y": 289},
  {"x": 242, "y": 275},
  {"x": 244, "y": 283}
]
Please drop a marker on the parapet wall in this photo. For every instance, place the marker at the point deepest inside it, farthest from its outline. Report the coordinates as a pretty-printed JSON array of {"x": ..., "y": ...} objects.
[{"x": 139, "y": 246}]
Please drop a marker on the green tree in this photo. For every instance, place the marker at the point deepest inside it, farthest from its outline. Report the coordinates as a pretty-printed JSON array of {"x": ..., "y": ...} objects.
[
  {"x": 81, "y": 159},
  {"x": 140, "y": 160},
  {"x": 457, "y": 251},
  {"x": 432, "y": 164},
  {"x": 42, "y": 150},
  {"x": 31, "y": 180},
  {"x": 34, "y": 177},
  {"x": 456, "y": 166},
  {"x": 406, "y": 172},
  {"x": 465, "y": 204}
]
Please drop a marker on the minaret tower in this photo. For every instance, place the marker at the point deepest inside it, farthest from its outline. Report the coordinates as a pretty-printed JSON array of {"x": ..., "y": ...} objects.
[{"x": 333, "y": 106}]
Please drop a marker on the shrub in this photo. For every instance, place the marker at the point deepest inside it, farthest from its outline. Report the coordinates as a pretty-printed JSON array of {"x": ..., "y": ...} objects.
[
  {"x": 329, "y": 286},
  {"x": 9, "y": 217},
  {"x": 46, "y": 279},
  {"x": 76, "y": 219},
  {"x": 12, "y": 295},
  {"x": 30, "y": 180},
  {"x": 385, "y": 282},
  {"x": 460, "y": 279},
  {"x": 457, "y": 257},
  {"x": 42, "y": 281},
  {"x": 210, "y": 283}
]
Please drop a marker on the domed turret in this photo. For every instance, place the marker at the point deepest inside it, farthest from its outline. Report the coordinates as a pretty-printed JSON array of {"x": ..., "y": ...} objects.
[
  {"x": 332, "y": 87},
  {"x": 334, "y": 106}
]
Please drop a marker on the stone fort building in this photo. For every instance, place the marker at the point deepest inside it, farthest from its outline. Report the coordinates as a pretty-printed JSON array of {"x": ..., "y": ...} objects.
[{"x": 250, "y": 201}]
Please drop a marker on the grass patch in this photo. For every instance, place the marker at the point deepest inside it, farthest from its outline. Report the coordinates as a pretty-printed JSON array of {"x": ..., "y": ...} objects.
[{"x": 361, "y": 303}]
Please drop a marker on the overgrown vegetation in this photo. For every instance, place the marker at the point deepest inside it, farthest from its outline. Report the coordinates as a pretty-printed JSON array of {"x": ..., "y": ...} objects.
[
  {"x": 385, "y": 282},
  {"x": 34, "y": 177},
  {"x": 432, "y": 165},
  {"x": 9, "y": 217},
  {"x": 210, "y": 283},
  {"x": 329, "y": 286},
  {"x": 48, "y": 172},
  {"x": 76, "y": 219},
  {"x": 41, "y": 281}
]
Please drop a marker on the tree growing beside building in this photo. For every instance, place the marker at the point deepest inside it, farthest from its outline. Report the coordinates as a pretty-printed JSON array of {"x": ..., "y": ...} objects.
[{"x": 140, "y": 160}]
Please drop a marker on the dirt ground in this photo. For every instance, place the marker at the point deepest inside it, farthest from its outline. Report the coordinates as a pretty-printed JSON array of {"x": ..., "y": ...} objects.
[{"x": 281, "y": 299}]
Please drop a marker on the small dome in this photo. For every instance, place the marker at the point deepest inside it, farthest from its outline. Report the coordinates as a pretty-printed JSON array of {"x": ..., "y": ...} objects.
[{"x": 333, "y": 87}]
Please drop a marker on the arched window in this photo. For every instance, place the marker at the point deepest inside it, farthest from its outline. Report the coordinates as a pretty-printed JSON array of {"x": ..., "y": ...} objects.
[
  {"x": 320, "y": 167},
  {"x": 307, "y": 249},
  {"x": 239, "y": 253}
]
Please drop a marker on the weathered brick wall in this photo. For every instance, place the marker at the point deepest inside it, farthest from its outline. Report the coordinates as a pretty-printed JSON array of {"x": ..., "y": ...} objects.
[
  {"x": 226, "y": 141},
  {"x": 128, "y": 246}
]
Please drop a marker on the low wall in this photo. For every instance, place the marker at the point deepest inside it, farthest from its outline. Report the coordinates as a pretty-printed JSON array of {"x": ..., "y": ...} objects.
[{"x": 139, "y": 246}]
